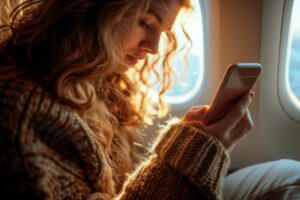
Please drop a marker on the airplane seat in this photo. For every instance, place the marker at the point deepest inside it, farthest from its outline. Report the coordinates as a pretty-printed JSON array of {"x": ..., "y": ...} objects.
[{"x": 274, "y": 180}]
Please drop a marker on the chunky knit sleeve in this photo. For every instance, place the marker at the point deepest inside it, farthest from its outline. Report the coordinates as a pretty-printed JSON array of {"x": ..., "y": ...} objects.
[{"x": 186, "y": 164}]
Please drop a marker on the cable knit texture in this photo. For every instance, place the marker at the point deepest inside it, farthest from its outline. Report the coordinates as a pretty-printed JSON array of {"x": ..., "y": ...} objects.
[{"x": 48, "y": 152}]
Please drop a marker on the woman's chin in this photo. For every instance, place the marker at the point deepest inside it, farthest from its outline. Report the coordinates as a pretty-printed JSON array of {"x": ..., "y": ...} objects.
[{"x": 122, "y": 69}]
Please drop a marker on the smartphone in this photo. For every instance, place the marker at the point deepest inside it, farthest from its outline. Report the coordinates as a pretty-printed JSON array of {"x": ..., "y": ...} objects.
[{"x": 237, "y": 81}]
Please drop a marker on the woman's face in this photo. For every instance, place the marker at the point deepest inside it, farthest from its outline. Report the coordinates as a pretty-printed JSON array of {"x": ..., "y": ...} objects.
[{"x": 145, "y": 36}]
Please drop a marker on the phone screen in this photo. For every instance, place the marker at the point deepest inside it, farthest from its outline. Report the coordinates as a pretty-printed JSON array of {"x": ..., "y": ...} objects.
[{"x": 238, "y": 80}]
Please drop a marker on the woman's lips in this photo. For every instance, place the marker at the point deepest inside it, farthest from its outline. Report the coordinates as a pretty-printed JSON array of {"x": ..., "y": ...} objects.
[{"x": 134, "y": 59}]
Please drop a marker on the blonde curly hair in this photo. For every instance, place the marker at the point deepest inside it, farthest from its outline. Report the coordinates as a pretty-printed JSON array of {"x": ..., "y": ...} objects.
[{"x": 73, "y": 49}]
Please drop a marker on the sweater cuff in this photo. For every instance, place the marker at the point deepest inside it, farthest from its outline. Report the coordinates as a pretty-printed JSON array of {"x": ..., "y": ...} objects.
[{"x": 196, "y": 155}]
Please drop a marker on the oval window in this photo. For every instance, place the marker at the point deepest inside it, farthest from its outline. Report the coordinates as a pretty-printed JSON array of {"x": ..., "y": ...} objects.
[
  {"x": 289, "y": 73},
  {"x": 190, "y": 78}
]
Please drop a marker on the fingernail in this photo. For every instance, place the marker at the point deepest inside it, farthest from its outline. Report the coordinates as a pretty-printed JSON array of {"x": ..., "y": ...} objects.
[{"x": 202, "y": 111}]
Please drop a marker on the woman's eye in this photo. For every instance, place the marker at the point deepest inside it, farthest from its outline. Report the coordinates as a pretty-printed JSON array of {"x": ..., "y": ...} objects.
[{"x": 144, "y": 24}]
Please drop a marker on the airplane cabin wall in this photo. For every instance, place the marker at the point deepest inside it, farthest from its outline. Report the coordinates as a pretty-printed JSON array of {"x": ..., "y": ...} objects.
[
  {"x": 240, "y": 42},
  {"x": 232, "y": 32}
]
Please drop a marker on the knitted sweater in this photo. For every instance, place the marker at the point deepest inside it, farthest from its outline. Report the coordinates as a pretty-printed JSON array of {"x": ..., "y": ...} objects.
[{"x": 48, "y": 152}]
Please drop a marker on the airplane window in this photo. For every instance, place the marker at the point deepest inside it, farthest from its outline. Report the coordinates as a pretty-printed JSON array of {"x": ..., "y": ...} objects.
[
  {"x": 189, "y": 82},
  {"x": 289, "y": 61},
  {"x": 293, "y": 52},
  {"x": 189, "y": 78}
]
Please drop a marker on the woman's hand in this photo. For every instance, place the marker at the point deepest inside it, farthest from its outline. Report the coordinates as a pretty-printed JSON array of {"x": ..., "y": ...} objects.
[{"x": 230, "y": 129}]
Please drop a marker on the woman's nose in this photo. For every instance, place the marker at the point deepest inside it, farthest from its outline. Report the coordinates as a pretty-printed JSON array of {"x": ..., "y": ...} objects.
[{"x": 150, "y": 45}]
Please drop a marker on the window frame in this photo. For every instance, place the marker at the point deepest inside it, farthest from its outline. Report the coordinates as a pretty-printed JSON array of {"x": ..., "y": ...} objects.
[{"x": 287, "y": 101}]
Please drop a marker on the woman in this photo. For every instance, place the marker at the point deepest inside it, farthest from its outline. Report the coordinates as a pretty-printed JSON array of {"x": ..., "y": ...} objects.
[{"x": 73, "y": 93}]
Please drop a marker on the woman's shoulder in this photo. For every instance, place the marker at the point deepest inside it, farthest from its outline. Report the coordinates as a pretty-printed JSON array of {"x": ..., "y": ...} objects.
[
  {"x": 23, "y": 100},
  {"x": 46, "y": 134},
  {"x": 20, "y": 90},
  {"x": 29, "y": 109}
]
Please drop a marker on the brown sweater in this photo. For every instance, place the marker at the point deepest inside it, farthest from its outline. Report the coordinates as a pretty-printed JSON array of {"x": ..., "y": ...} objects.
[{"x": 48, "y": 152}]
